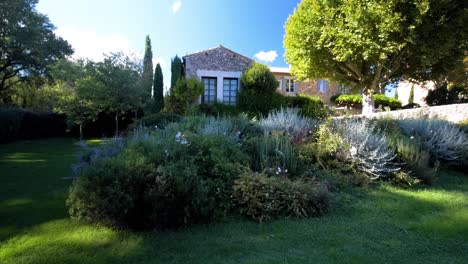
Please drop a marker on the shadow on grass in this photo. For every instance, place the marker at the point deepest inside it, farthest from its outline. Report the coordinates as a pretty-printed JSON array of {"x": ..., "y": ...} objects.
[
  {"x": 385, "y": 225},
  {"x": 32, "y": 189},
  {"x": 388, "y": 225}
]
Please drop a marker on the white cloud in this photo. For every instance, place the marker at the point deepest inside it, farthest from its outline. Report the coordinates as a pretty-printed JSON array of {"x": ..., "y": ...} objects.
[
  {"x": 89, "y": 44},
  {"x": 267, "y": 56},
  {"x": 176, "y": 6}
]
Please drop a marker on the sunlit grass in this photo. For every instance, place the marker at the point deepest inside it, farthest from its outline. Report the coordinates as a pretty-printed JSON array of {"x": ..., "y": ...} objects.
[{"x": 385, "y": 224}]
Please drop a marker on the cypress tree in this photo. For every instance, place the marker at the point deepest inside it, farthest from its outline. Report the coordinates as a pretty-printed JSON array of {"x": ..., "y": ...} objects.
[
  {"x": 396, "y": 93},
  {"x": 158, "y": 89},
  {"x": 177, "y": 70},
  {"x": 147, "y": 77},
  {"x": 411, "y": 95}
]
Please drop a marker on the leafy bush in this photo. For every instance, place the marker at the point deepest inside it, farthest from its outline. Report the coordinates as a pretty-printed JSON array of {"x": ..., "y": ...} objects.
[
  {"x": 347, "y": 99},
  {"x": 184, "y": 95},
  {"x": 258, "y": 94},
  {"x": 380, "y": 100},
  {"x": 444, "y": 140},
  {"x": 411, "y": 106},
  {"x": 263, "y": 198},
  {"x": 16, "y": 123},
  {"x": 114, "y": 192},
  {"x": 310, "y": 106},
  {"x": 218, "y": 109},
  {"x": 336, "y": 180},
  {"x": 444, "y": 94},
  {"x": 163, "y": 179},
  {"x": 159, "y": 120}
]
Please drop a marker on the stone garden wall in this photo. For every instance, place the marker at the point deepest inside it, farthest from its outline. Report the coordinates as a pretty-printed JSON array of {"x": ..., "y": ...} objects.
[{"x": 453, "y": 113}]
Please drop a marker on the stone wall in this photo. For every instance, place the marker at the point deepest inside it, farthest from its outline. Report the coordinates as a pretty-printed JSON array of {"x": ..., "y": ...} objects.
[{"x": 453, "y": 113}]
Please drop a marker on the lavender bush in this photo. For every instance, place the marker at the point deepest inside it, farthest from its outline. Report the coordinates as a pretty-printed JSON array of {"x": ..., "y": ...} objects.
[
  {"x": 368, "y": 149},
  {"x": 445, "y": 141},
  {"x": 110, "y": 148},
  {"x": 288, "y": 121}
]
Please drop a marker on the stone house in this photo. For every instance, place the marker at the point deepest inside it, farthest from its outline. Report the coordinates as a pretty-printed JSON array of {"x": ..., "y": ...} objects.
[
  {"x": 220, "y": 70},
  {"x": 288, "y": 85}
]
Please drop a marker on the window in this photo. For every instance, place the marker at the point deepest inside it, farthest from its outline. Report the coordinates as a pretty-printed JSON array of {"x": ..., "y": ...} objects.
[
  {"x": 322, "y": 86},
  {"x": 209, "y": 95},
  {"x": 230, "y": 91},
  {"x": 289, "y": 86},
  {"x": 344, "y": 89}
]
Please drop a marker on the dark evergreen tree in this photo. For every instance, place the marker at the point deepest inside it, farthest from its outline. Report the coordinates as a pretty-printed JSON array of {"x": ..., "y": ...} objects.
[
  {"x": 177, "y": 70},
  {"x": 396, "y": 93},
  {"x": 147, "y": 77},
  {"x": 411, "y": 95},
  {"x": 158, "y": 85}
]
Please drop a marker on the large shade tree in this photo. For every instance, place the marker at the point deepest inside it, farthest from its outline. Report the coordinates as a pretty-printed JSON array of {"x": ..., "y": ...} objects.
[
  {"x": 367, "y": 44},
  {"x": 28, "y": 44},
  {"x": 113, "y": 85}
]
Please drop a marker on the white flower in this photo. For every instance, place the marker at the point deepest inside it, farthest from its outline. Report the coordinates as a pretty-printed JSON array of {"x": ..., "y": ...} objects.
[{"x": 353, "y": 150}]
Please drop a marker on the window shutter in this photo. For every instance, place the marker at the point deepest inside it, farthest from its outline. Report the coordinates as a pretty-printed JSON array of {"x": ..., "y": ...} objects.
[
  {"x": 296, "y": 87},
  {"x": 283, "y": 85}
]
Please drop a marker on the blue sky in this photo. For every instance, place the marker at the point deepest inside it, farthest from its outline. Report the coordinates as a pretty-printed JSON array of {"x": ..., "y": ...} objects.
[{"x": 250, "y": 27}]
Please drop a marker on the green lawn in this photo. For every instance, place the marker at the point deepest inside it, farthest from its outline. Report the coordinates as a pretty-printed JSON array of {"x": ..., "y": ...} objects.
[{"x": 383, "y": 225}]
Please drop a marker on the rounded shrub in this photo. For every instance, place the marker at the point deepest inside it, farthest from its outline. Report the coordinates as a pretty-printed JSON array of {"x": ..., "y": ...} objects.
[
  {"x": 258, "y": 93},
  {"x": 184, "y": 95},
  {"x": 167, "y": 179},
  {"x": 311, "y": 106}
]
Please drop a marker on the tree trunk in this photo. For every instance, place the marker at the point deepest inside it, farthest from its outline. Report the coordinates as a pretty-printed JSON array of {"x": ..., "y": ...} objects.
[
  {"x": 367, "y": 103},
  {"x": 116, "y": 124},
  {"x": 81, "y": 131}
]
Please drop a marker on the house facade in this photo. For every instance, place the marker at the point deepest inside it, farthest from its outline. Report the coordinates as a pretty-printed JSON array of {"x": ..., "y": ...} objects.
[
  {"x": 220, "y": 70},
  {"x": 288, "y": 85}
]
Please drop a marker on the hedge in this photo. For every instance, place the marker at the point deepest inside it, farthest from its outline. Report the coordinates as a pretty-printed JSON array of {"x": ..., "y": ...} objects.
[
  {"x": 17, "y": 123},
  {"x": 356, "y": 99},
  {"x": 311, "y": 106}
]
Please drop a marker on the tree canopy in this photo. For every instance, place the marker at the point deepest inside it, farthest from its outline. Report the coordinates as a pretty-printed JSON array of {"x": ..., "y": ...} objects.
[
  {"x": 28, "y": 44},
  {"x": 113, "y": 86},
  {"x": 368, "y": 43}
]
